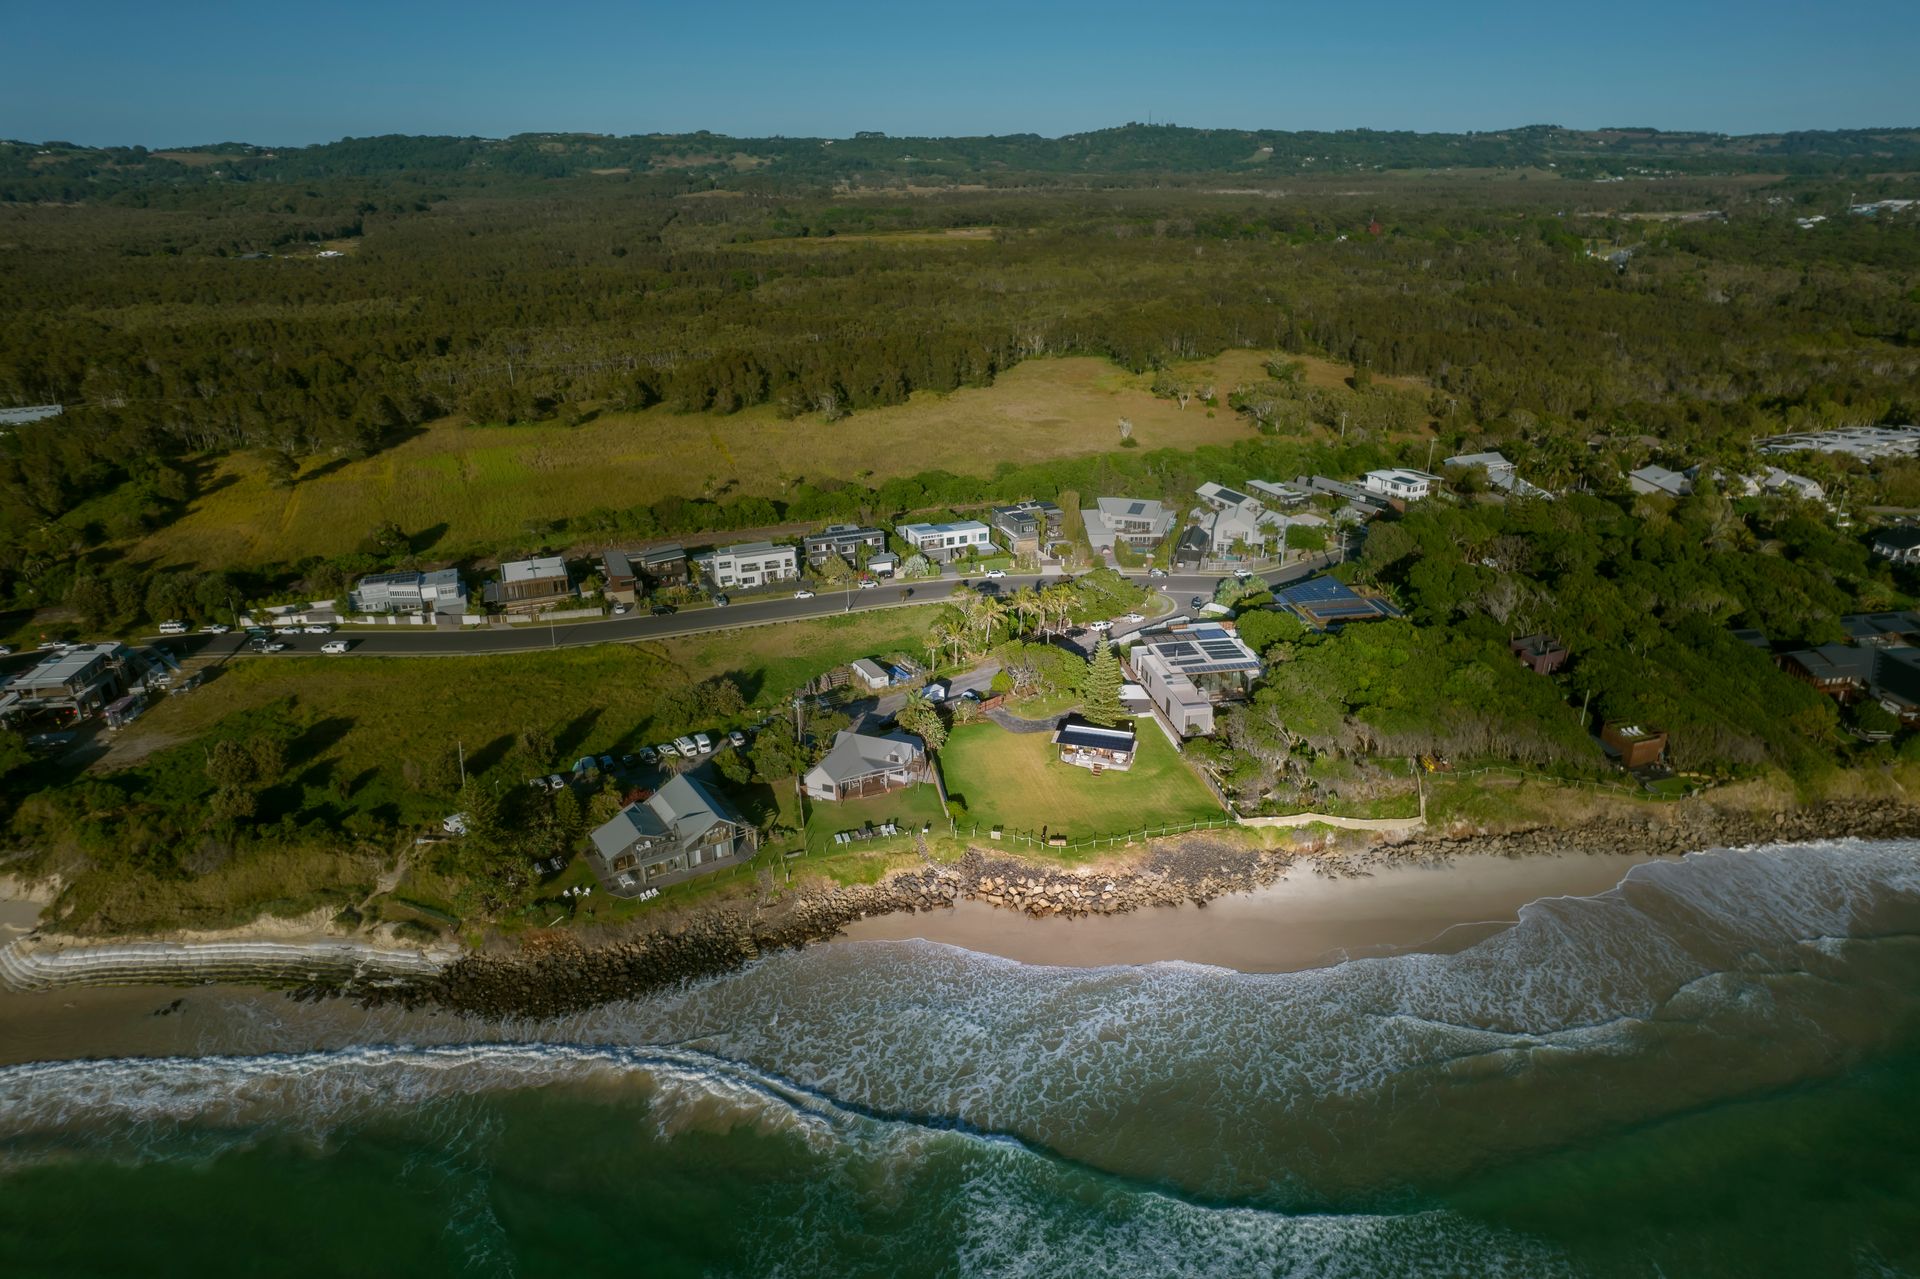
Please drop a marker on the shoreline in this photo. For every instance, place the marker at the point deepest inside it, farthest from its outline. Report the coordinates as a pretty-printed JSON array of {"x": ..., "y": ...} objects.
[{"x": 1137, "y": 910}]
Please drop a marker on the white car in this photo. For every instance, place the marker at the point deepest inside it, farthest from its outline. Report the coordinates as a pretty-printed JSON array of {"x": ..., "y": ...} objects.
[
  {"x": 704, "y": 742},
  {"x": 667, "y": 750},
  {"x": 619, "y": 610},
  {"x": 996, "y": 572},
  {"x": 319, "y": 628},
  {"x": 286, "y": 630},
  {"x": 1242, "y": 574},
  {"x": 276, "y": 646},
  {"x": 334, "y": 647},
  {"x": 1135, "y": 617},
  {"x": 869, "y": 584},
  {"x": 215, "y": 628},
  {"x": 174, "y": 627},
  {"x": 1102, "y": 625},
  {"x": 803, "y": 595},
  {"x": 737, "y": 738},
  {"x": 686, "y": 746}
]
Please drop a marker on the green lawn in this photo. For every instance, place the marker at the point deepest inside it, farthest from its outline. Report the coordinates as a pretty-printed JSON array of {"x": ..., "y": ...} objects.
[
  {"x": 1016, "y": 780},
  {"x": 909, "y": 807}
]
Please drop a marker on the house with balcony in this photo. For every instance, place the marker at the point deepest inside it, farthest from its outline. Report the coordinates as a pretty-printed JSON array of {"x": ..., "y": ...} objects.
[
  {"x": 1028, "y": 528},
  {"x": 1901, "y": 545},
  {"x": 943, "y": 543},
  {"x": 1399, "y": 483},
  {"x": 863, "y": 764},
  {"x": 854, "y": 543},
  {"x": 80, "y": 681},
  {"x": 748, "y": 565},
  {"x": 531, "y": 586},
  {"x": 426, "y": 594},
  {"x": 663, "y": 567},
  {"x": 681, "y": 831},
  {"x": 622, "y": 576},
  {"x": 1141, "y": 523},
  {"x": 1094, "y": 747},
  {"x": 1188, "y": 670}
]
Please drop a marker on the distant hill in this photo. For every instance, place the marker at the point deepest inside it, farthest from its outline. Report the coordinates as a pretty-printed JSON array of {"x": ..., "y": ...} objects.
[{"x": 1126, "y": 155}]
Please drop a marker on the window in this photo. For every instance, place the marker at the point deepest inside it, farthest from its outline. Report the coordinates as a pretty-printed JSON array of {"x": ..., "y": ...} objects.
[{"x": 665, "y": 866}]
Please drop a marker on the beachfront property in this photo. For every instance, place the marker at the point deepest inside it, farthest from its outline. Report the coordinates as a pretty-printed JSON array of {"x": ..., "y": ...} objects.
[
  {"x": 1636, "y": 747},
  {"x": 1658, "y": 479},
  {"x": 864, "y": 764},
  {"x": 949, "y": 541},
  {"x": 1868, "y": 443},
  {"x": 1841, "y": 671},
  {"x": 1501, "y": 474},
  {"x": 748, "y": 565},
  {"x": 1901, "y": 545},
  {"x": 1896, "y": 683},
  {"x": 1028, "y": 528},
  {"x": 79, "y": 681},
  {"x": 1327, "y": 604},
  {"x": 1189, "y": 669},
  {"x": 1140, "y": 523},
  {"x": 531, "y": 586},
  {"x": 1094, "y": 747},
  {"x": 680, "y": 831},
  {"x": 1399, "y": 483},
  {"x": 854, "y": 543},
  {"x": 426, "y": 594}
]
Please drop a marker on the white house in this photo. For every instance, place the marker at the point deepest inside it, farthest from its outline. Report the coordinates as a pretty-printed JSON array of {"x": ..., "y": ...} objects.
[
  {"x": 862, "y": 764},
  {"x": 871, "y": 673},
  {"x": 749, "y": 564},
  {"x": 1901, "y": 545},
  {"x": 1399, "y": 482},
  {"x": 943, "y": 542},
  {"x": 436, "y": 592},
  {"x": 1658, "y": 479}
]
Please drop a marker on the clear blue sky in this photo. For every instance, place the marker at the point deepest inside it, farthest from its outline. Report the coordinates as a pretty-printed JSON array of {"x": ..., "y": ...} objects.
[{"x": 279, "y": 73}]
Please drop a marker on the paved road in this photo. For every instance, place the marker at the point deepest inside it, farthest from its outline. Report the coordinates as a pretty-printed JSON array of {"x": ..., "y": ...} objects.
[{"x": 411, "y": 641}]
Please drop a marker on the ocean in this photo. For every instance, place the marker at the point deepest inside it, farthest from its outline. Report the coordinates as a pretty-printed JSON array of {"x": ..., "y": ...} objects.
[{"x": 1711, "y": 1069}]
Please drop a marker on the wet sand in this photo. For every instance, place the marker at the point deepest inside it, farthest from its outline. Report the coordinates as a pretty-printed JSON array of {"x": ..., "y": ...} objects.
[{"x": 1303, "y": 921}]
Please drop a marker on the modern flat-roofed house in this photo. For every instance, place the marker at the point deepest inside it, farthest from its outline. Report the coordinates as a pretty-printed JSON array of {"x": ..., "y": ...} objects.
[
  {"x": 664, "y": 566},
  {"x": 1028, "y": 528},
  {"x": 1139, "y": 522},
  {"x": 1658, "y": 479},
  {"x": 1187, "y": 670},
  {"x": 1636, "y": 746},
  {"x": 1542, "y": 654},
  {"x": 943, "y": 542},
  {"x": 621, "y": 576},
  {"x": 1901, "y": 545},
  {"x": 1094, "y": 747},
  {"x": 863, "y": 764},
  {"x": 748, "y": 565},
  {"x": 530, "y": 586},
  {"x": 1896, "y": 682},
  {"x": 425, "y": 593},
  {"x": 81, "y": 681},
  {"x": 1365, "y": 500},
  {"x": 1285, "y": 496},
  {"x": 1327, "y": 604},
  {"x": 1399, "y": 483},
  {"x": 853, "y": 543},
  {"x": 680, "y": 831}
]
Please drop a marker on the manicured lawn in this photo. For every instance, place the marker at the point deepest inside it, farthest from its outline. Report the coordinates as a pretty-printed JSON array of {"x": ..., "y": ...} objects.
[
  {"x": 909, "y": 807},
  {"x": 1016, "y": 780}
]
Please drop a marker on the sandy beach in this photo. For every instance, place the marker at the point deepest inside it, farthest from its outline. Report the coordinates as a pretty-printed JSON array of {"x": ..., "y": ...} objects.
[{"x": 1305, "y": 920}]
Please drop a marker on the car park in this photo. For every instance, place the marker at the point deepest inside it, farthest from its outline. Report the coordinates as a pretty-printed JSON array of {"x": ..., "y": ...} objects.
[
  {"x": 173, "y": 627},
  {"x": 737, "y": 739},
  {"x": 686, "y": 746},
  {"x": 334, "y": 647},
  {"x": 803, "y": 595}
]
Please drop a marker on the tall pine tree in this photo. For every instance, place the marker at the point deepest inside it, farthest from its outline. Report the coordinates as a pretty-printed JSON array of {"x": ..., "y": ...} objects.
[{"x": 1100, "y": 689}]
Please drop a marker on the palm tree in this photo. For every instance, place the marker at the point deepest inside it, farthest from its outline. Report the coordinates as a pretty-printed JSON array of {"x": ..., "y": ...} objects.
[{"x": 990, "y": 613}]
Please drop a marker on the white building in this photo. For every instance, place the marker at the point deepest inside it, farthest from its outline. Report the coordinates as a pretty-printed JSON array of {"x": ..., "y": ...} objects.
[
  {"x": 1139, "y": 522},
  {"x": 1401, "y": 483},
  {"x": 943, "y": 542},
  {"x": 749, "y": 564},
  {"x": 436, "y": 592}
]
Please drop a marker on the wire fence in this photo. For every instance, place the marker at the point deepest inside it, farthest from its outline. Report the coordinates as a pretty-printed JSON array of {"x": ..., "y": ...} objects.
[{"x": 1041, "y": 838}]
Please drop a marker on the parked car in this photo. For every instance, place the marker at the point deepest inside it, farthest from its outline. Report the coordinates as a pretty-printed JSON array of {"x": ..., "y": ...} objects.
[
  {"x": 556, "y": 782},
  {"x": 1101, "y": 625},
  {"x": 1156, "y": 572},
  {"x": 686, "y": 746},
  {"x": 996, "y": 572},
  {"x": 173, "y": 626},
  {"x": 704, "y": 742},
  {"x": 648, "y": 755},
  {"x": 272, "y": 646},
  {"x": 935, "y": 692},
  {"x": 619, "y": 610},
  {"x": 333, "y": 647},
  {"x": 971, "y": 695},
  {"x": 606, "y": 763},
  {"x": 868, "y": 584},
  {"x": 629, "y": 760},
  {"x": 737, "y": 739},
  {"x": 6, "y": 650},
  {"x": 1242, "y": 574},
  {"x": 286, "y": 630},
  {"x": 538, "y": 783},
  {"x": 215, "y": 628},
  {"x": 1135, "y": 617},
  {"x": 319, "y": 628},
  {"x": 803, "y": 595},
  {"x": 667, "y": 750},
  {"x": 721, "y": 601},
  {"x": 662, "y": 610}
]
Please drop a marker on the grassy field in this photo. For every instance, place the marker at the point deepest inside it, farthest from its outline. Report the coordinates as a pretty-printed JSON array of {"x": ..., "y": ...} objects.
[
  {"x": 1016, "y": 780},
  {"x": 480, "y": 485},
  {"x": 909, "y": 807}
]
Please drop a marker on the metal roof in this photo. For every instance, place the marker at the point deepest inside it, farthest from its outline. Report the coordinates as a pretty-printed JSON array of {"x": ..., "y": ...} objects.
[
  {"x": 533, "y": 570},
  {"x": 1095, "y": 737}
]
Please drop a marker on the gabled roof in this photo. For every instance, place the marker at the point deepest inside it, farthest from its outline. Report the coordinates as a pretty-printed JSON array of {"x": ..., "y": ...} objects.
[
  {"x": 681, "y": 808},
  {"x": 1492, "y": 461},
  {"x": 861, "y": 754}
]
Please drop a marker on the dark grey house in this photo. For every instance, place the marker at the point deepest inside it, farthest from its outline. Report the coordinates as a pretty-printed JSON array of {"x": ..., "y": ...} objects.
[
  {"x": 1028, "y": 527},
  {"x": 851, "y": 542},
  {"x": 680, "y": 831}
]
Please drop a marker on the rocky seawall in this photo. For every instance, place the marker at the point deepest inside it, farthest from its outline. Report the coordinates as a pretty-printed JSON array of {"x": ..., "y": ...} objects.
[{"x": 554, "y": 974}]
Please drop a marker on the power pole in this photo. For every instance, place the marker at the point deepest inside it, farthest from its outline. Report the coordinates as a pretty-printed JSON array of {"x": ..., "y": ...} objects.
[{"x": 460, "y": 746}]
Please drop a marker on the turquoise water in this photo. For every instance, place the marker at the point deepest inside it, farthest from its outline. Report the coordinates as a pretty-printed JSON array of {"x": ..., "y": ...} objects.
[{"x": 1712, "y": 1070}]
